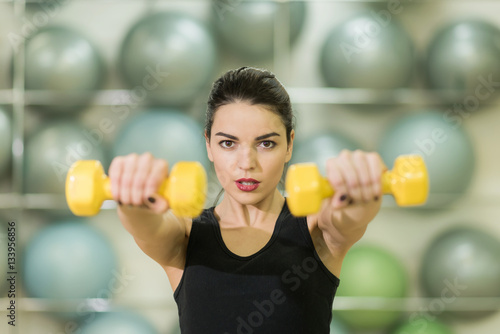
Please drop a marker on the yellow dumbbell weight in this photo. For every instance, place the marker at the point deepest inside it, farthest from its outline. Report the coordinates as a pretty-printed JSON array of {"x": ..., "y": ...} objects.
[
  {"x": 408, "y": 182},
  {"x": 87, "y": 187}
]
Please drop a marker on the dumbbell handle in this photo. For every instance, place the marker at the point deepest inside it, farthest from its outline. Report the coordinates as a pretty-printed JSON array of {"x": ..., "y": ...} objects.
[{"x": 327, "y": 190}]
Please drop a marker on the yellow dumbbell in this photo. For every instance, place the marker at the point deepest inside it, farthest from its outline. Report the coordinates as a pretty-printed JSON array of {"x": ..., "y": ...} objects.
[
  {"x": 87, "y": 187},
  {"x": 408, "y": 182}
]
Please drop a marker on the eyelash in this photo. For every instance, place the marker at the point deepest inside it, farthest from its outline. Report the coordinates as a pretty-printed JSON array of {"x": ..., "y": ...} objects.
[{"x": 265, "y": 141}]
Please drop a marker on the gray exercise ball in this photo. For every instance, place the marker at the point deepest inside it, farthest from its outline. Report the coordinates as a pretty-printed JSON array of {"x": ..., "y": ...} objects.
[
  {"x": 168, "y": 58},
  {"x": 5, "y": 141},
  {"x": 446, "y": 147},
  {"x": 462, "y": 262},
  {"x": 366, "y": 52},
  {"x": 462, "y": 53},
  {"x": 247, "y": 28},
  {"x": 318, "y": 148},
  {"x": 53, "y": 148},
  {"x": 63, "y": 60}
]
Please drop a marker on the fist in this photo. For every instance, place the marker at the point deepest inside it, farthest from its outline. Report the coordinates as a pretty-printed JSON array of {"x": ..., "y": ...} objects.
[
  {"x": 356, "y": 177},
  {"x": 135, "y": 180}
]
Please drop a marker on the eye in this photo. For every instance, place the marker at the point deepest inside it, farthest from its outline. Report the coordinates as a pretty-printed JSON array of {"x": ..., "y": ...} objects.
[
  {"x": 268, "y": 144},
  {"x": 226, "y": 143}
]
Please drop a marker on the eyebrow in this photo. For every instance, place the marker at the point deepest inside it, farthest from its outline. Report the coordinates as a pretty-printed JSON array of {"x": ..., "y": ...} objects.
[{"x": 256, "y": 138}]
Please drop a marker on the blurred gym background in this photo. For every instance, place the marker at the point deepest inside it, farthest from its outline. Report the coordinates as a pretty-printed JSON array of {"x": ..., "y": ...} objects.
[{"x": 96, "y": 79}]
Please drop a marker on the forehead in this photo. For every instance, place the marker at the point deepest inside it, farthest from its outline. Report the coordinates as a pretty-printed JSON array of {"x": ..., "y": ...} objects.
[{"x": 245, "y": 118}]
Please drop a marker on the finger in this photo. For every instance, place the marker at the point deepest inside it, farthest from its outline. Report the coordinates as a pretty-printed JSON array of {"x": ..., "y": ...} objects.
[
  {"x": 114, "y": 173},
  {"x": 129, "y": 167},
  {"x": 363, "y": 173},
  {"x": 144, "y": 164},
  {"x": 349, "y": 174},
  {"x": 156, "y": 177},
  {"x": 377, "y": 168},
  {"x": 334, "y": 176}
]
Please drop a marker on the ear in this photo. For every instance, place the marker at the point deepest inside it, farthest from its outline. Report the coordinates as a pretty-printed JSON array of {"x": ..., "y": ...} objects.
[
  {"x": 209, "y": 150},
  {"x": 290, "y": 147}
]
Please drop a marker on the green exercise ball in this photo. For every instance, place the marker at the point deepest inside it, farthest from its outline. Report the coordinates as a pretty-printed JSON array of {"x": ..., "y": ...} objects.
[
  {"x": 247, "y": 28},
  {"x": 368, "y": 51},
  {"x": 69, "y": 260},
  {"x": 5, "y": 142},
  {"x": 445, "y": 146},
  {"x": 63, "y": 60},
  {"x": 53, "y": 148},
  {"x": 121, "y": 322},
  {"x": 166, "y": 133},
  {"x": 460, "y": 54},
  {"x": 168, "y": 58},
  {"x": 461, "y": 262},
  {"x": 319, "y": 147},
  {"x": 371, "y": 271},
  {"x": 423, "y": 325}
]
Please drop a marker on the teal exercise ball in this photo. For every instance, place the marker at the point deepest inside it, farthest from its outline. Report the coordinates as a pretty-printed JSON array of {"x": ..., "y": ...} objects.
[
  {"x": 4, "y": 284},
  {"x": 247, "y": 29},
  {"x": 63, "y": 60},
  {"x": 168, "y": 58},
  {"x": 461, "y": 262},
  {"x": 120, "y": 322},
  {"x": 444, "y": 144},
  {"x": 166, "y": 133},
  {"x": 5, "y": 142},
  {"x": 69, "y": 260},
  {"x": 337, "y": 327},
  {"x": 464, "y": 56},
  {"x": 318, "y": 148},
  {"x": 368, "y": 51},
  {"x": 371, "y": 271},
  {"x": 423, "y": 325},
  {"x": 53, "y": 148}
]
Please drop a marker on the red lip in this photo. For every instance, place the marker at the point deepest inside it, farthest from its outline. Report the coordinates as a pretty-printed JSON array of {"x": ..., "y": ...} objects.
[{"x": 247, "y": 180}]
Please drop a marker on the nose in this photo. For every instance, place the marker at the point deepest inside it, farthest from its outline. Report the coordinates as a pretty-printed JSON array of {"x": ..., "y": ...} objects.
[{"x": 247, "y": 158}]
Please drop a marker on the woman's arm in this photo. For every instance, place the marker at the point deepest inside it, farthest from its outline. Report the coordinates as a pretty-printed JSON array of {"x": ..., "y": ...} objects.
[
  {"x": 356, "y": 179},
  {"x": 144, "y": 214}
]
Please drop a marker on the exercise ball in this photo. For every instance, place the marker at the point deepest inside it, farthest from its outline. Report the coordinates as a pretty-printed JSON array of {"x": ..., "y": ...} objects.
[
  {"x": 53, "y": 148},
  {"x": 4, "y": 284},
  {"x": 319, "y": 147},
  {"x": 166, "y": 133},
  {"x": 423, "y": 325},
  {"x": 462, "y": 53},
  {"x": 121, "y": 322},
  {"x": 69, "y": 260},
  {"x": 461, "y": 262},
  {"x": 337, "y": 327},
  {"x": 168, "y": 58},
  {"x": 445, "y": 146},
  {"x": 368, "y": 51},
  {"x": 62, "y": 60},
  {"x": 5, "y": 142},
  {"x": 247, "y": 28},
  {"x": 371, "y": 271}
]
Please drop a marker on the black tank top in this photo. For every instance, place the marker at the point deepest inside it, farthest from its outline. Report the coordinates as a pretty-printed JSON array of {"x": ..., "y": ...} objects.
[{"x": 283, "y": 288}]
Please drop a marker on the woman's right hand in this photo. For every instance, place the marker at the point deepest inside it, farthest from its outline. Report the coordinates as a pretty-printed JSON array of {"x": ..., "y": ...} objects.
[{"x": 135, "y": 180}]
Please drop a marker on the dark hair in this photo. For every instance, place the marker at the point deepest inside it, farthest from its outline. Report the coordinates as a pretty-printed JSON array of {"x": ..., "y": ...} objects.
[{"x": 256, "y": 87}]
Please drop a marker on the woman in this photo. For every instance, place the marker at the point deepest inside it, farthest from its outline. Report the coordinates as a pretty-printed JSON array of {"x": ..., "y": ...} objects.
[{"x": 247, "y": 265}]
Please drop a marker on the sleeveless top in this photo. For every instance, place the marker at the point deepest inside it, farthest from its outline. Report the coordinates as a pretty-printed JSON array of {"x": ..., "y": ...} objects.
[{"x": 282, "y": 288}]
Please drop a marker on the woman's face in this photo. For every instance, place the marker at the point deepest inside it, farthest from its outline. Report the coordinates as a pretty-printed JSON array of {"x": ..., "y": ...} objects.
[{"x": 248, "y": 142}]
